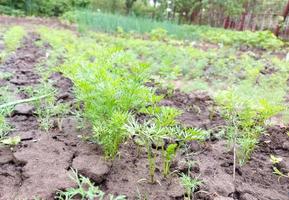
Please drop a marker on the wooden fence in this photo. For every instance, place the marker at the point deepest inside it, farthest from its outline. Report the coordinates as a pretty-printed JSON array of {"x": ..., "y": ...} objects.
[{"x": 248, "y": 21}]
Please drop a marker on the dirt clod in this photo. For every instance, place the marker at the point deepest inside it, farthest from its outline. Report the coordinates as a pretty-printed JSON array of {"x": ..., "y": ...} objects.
[
  {"x": 247, "y": 196},
  {"x": 23, "y": 109},
  {"x": 93, "y": 167}
]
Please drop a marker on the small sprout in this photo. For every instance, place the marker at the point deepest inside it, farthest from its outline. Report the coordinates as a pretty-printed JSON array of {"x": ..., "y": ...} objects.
[
  {"x": 275, "y": 160},
  {"x": 169, "y": 154},
  {"x": 190, "y": 184}
]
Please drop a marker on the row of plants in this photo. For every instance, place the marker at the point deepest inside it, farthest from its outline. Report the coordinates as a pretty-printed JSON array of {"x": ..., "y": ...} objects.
[
  {"x": 12, "y": 38},
  {"x": 112, "y": 23},
  {"x": 249, "y": 87},
  {"x": 109, "y": 85}
]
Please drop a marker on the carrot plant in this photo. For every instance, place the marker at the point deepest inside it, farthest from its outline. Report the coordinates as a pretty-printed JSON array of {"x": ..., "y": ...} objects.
[
  {"x": 169, "y": 155},
  {"x": 190, "y": 184},
  {"x": 246, "y": 121},
  {"x": 109, "y": 84},
  {"x": 150, "y": 134}
]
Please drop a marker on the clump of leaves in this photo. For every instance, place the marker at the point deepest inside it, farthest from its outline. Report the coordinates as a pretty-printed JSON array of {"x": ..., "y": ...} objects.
[
  {"x": 85, "y": 190},
  {"x": 109, "y": 83}
]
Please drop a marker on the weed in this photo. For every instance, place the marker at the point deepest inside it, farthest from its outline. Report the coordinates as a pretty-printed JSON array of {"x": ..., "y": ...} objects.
[
  {"x": 166, "y": 117},
  {"x": 158, "y": 34},
  {"x": 279, "y": 173},
  {"x": 275, "y": 160}
]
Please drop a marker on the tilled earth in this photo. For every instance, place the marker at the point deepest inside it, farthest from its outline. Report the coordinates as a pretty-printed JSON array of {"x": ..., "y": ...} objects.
[{"x": 40, "y": 165}]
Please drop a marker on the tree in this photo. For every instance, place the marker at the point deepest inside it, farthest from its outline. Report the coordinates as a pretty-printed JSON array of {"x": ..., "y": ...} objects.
[{"x": 128, "y": 5}]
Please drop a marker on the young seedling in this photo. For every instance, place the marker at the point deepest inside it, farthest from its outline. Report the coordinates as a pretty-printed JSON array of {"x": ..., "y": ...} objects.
[
  {"x": 147, "y": 134},
  {"x": 168, "y": 155},
  {"x": 190, "y": 184},
  {"x": 275, "y": 161},
  {"x": 86, "y": 190}
]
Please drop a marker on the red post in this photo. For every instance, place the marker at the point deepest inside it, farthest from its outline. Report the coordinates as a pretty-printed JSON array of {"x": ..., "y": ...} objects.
[
  {"x": 226, "y": 23},
  {"x": 243, "y": 16}
]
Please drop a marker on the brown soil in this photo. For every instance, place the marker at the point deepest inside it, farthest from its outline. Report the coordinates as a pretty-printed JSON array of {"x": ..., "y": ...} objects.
[
  {"x": 199, "y": 109},
  {"x": 255, "y": 180},
  {"x": 40, "y": 165},
  {"x": 34, "y": 21}
]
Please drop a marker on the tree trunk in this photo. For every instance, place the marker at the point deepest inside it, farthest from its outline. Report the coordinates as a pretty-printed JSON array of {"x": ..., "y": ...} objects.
[
  {"x": 128, "y": 5},
  {"x": 195, "y": 12},
  {"x": 285, "y": 13}
]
